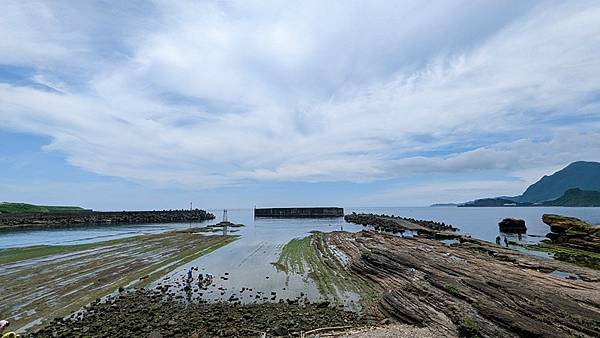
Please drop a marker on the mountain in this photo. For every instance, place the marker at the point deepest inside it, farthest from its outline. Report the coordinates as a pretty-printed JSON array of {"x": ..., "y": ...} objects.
[
  {"x": 575, "y": 185},
  {"x": 13, "y": 208},
  {"x": 576, "y": 198},
  {"x": 582, "y": 175},
  {"x": 495, "y": 202}
]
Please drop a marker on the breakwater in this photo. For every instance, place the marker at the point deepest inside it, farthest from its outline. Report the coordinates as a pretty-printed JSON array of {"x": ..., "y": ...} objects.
[
  {"x": 67, "y": 219},
  {"x": 396, "y": 223},
  {"x": 299, "y": 212}
]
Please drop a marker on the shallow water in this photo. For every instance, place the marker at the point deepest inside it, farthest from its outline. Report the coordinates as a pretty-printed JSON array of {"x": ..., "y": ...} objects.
[
  {"x": 246, "y": 263},
  {"x": 479, "y": 222},
  {"x": 82, "y": 235},
  {"x": 482, "y": 223}
]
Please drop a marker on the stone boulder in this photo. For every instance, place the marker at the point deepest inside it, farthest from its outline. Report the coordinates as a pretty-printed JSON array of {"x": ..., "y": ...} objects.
[
  {"x": 513, "y": 225},
  {"x": 561, "y": 224},
  {"x": 573, "y": 232}
]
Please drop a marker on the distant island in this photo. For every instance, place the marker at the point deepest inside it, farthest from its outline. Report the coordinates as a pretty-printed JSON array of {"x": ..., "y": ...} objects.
[{"x": 576, "y": 185}]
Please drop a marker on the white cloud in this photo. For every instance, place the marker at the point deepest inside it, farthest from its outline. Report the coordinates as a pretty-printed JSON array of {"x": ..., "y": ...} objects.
[
  {"x": 208, "y": 94},
  {"x": 443, "y": 192}
]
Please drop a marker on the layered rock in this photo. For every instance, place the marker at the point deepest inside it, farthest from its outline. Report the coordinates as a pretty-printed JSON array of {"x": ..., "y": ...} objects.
[
  {"x": 573, "y": 232},
  {"x": 473, "y": 288}
]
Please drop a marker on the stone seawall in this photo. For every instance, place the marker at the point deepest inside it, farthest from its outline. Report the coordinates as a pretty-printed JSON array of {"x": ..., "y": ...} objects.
[
  {"x": 299, "y": 212},
  {"x": 57, "y": 220}
]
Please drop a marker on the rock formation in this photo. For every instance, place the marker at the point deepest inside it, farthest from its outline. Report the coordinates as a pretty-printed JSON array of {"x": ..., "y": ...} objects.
[
  {"x": 474, "y": 288},
  {"x": 513, "y": 225},
  {"x": 573, "y": 232}
]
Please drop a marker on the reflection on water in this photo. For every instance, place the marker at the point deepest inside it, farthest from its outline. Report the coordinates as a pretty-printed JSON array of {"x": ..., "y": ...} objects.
[
  {"x": 85, "y": 234},
  {"x": 482, "y": 223},
  {"x": 479, "y": 222},
  {"x": 243, "y": 270},
  {"x": 564, "y": 274}
]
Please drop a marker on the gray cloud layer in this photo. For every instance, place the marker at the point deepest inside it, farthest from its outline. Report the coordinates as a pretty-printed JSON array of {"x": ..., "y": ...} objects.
[{"x": 209, "y": 94}]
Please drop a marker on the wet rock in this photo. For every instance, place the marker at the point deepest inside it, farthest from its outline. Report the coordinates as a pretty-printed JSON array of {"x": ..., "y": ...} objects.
[
  {"x": 397, "y": 224},
  {"x": 512, "y": 225},
  {"x": 459, "y": 288},
  {"x": 155, "y": 334},
  {"x": 280, "y": 331},
  {"x": 573, "y": 232}
]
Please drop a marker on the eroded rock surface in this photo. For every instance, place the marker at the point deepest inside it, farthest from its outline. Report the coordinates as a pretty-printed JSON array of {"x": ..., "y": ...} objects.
[
  {"x": 474, "y": 288},
  {"x": 573, "y": 232}
]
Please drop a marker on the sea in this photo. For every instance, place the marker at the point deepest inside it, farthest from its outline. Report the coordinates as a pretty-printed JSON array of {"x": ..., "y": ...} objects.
[{"x": 247, "y": 262}]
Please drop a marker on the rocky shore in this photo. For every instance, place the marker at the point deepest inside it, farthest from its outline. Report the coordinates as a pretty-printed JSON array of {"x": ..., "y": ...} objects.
[
  {"x": 57, "y": 220},
  {"x": 571, "y": 239},
  {"x": 573, "y": 232},
  {"x": 396, "y": 224},
  {"x": 145, "y": 313},
  {"x": 472, "y": 288},
  {"x": 37, "y": 284},
  {"x": 468, "y": 288}
]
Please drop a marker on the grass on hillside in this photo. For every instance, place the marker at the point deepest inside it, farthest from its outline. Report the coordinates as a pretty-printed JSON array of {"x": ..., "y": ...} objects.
[{"x": 14, "y": 208}]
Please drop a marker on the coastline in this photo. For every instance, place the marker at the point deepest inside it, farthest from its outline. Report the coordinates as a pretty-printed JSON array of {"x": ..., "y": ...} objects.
[
  {"x": 46, "y": 284},
  {"x": 30, "y": 221}
]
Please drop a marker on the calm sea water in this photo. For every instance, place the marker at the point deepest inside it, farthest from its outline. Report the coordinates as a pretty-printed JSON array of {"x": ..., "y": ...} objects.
[
  {"x": 246, "y": 263},
  {"x": 479, "y": 222}
]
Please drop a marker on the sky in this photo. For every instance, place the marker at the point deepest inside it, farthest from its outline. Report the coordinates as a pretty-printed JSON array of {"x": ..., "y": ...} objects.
[{"x": 155, "y": 104}]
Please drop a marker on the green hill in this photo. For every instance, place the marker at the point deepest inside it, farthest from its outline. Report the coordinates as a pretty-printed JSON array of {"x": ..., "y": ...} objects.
[
  {"x": 582, "y": 175},
  {"x": 14, "y": 208},
  {"x": 576, "y": 198}
]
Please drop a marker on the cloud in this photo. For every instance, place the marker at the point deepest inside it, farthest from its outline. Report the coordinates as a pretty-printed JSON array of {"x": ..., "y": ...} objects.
[
  {"x": 212, "y": 93},
  {"x": 443, "y": 192}
]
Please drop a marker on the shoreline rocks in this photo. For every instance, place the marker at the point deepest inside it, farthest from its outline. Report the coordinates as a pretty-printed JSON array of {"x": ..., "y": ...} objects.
[
  {"x": 397, "y": 224},
  {"x": 474, "y": 288},
  {"x": 573, "y": 232},
  {"x": 143, "y": 312},
  {"x": 513, "y": 226},
  {"x": 58, "y": 220}
]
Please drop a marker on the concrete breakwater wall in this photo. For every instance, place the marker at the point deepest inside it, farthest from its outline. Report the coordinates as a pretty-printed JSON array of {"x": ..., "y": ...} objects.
[
  {"x": 299, "y": 212},
  {"x": 52, "y": 220}
]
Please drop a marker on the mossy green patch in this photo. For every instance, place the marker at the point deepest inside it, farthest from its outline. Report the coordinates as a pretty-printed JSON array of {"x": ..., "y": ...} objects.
[
  {"x": 451, "y": 288},
  {"x": 311, "y": 256},
  {"x": 61, "y": 284},
  {"x": 12, "y": 255},
  {"x": 468, "y": 328},
  {"x": 564, "y": 253},
  {"x": 155, "y": 271}
]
